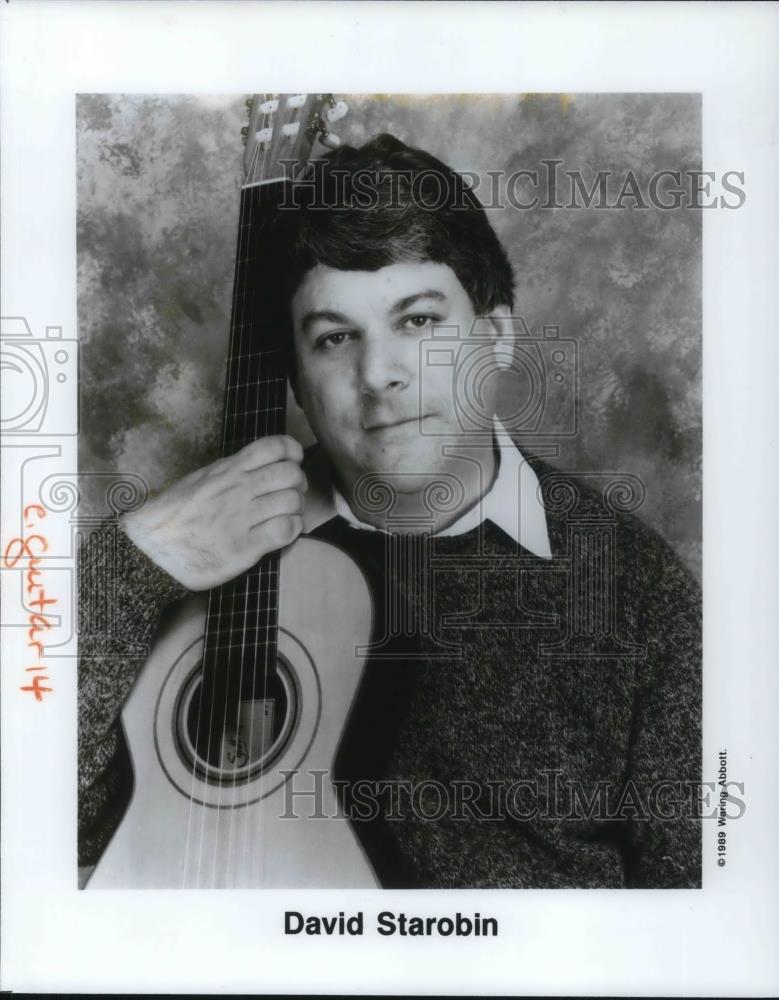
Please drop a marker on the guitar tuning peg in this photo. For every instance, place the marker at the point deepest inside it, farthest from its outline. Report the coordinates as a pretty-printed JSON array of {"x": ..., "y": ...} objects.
[
  {"x": 338, "y": 111},
  {"x": 330, "y": 140},
  {"x": 245, "y": 131},
  {"x": 249, "y": 103}
]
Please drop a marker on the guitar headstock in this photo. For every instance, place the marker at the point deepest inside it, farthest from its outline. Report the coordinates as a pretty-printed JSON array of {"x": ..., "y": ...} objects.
[{"x": 284, "y": 128}]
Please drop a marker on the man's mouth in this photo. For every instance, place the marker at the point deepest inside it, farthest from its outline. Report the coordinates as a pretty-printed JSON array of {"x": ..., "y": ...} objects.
[{"x": 383, "y": 425}]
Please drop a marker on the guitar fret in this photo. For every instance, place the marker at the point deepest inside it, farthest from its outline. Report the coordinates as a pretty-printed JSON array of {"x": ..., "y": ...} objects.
[
  {"x": 255, "y": 384},
  {"x": 222, "y": 646},
  {"x": 225, "y": 619},
  {"x": 250, "y": 632},
  {"x": 258, "y": 359},
  {"x": 256, "y": 626},
  {"x": 248, "y": 583},
  {"x": 254, "y": 355},
  {"x": 236, "y": 638},
  {"x": 224, "y": 614},
  {"x": 243, "y": 603},
  {"x": 239, "y": 587},
  {"x": 261, "y": 409}
]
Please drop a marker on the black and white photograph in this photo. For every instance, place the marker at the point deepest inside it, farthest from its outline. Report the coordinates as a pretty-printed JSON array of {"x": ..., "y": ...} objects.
[
  {"x": 442, "y": 627},
  {"x": 388, "y": 537}
]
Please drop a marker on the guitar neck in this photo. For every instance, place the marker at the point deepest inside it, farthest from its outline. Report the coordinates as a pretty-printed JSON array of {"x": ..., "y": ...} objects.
[
  {"x": 242, "y": 622},
  {"x": 256, "y": 384},
  {"x": 241, "y": 640}
]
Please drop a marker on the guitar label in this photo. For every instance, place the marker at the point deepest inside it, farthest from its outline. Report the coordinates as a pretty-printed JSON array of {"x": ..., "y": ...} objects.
[{"x": 251, "y": 739}]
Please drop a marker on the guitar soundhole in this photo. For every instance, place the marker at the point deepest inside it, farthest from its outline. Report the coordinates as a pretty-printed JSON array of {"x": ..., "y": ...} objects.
[{"x": 238, "y": 741}]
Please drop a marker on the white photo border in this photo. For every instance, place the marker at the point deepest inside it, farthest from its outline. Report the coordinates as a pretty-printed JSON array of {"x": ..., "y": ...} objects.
[{"x": 717, "y": 940}]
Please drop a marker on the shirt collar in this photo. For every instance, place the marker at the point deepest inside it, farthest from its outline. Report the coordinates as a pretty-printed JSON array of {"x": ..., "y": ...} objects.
[{"x": 513, "y": 502}]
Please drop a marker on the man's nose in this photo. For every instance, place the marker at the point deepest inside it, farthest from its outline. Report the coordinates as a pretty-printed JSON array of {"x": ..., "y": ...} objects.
[{"x": 383, "y": 366}]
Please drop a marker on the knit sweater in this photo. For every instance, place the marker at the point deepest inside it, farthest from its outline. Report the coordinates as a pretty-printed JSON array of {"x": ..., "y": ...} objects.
[{"x": 525, "y": 712}]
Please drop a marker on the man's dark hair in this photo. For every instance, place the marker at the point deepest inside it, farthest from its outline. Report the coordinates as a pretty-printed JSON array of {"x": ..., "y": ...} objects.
[
  {"x": 361, "y": 209},
  {"x": 386, "y": 202}
]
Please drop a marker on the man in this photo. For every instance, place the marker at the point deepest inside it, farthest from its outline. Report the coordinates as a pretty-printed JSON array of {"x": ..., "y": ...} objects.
[{"x": 536, "y": 650}]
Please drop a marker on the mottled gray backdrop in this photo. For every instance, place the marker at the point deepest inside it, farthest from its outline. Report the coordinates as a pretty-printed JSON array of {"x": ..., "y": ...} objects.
[{"x": 158, "y": 183}]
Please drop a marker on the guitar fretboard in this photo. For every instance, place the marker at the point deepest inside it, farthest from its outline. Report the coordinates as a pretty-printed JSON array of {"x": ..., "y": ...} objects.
[{"x": 242, "y": 620}]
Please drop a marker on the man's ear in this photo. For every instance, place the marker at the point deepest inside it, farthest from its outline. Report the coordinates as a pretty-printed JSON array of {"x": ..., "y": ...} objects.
[{"x": 501, "y": 330}]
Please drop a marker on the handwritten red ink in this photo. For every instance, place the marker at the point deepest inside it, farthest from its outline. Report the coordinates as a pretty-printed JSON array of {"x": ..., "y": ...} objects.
[
  {"x": 16, "y": 550},
  {"x": 23, "y": 550},
  {"x": 39, "y": 511},
  {"x": 36, "y": 687}
]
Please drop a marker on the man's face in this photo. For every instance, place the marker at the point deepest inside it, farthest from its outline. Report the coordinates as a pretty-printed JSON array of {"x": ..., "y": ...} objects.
[{"x": 372, "y": 404}]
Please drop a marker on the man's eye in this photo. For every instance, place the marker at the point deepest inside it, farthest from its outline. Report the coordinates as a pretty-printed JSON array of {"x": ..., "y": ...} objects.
[
  {"x": 330, "y": 340},
  {"x": 420, "y": 322}
]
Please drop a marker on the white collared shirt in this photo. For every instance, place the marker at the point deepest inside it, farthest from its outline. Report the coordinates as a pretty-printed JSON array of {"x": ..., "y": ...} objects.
[{"x": 513, "y": 502}]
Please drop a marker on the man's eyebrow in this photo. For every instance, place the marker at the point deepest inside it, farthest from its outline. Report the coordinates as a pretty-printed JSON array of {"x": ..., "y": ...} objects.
[
  {"x": 325, "y": 315},
  {"x": 402, "y": 304}
]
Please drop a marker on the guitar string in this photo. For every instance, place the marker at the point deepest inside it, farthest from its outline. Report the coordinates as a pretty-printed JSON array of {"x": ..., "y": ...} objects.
[
  {"x": 225, "y": 740},
  {"x": 261, "y": 384},
  {"x": 253, "y": 350},
  {"x": 256, "y": 385},
  {"x": 207, "y": 649},
  {"x": 271, "y": 640},
  {"x": 227, "y": 590},
  {"x": 256, "y": 858},
  {"x": 254, "y": 353}
]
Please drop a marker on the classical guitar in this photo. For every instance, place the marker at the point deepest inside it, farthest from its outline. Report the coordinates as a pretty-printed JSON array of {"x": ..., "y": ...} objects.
[{"x": 246, "y": 693}]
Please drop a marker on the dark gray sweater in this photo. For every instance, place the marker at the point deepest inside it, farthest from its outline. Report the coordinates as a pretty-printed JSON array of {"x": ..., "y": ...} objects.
[{"x": 556, "y": 704}]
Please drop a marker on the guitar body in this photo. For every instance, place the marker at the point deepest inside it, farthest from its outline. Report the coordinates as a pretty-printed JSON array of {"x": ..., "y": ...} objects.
[{"x": 194, "y": 824}]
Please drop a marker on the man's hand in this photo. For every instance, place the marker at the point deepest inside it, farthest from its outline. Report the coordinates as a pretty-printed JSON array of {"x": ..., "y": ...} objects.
[{"x": 216, "y": 523}]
